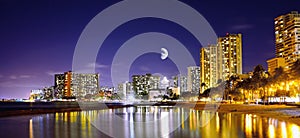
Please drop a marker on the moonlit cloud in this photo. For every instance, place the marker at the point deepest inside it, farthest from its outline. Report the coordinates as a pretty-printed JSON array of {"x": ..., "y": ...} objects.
[
  {"x": 96, "y": 65},
  {"x": 25, "y": 76},
  {"x": 13, "y": 77},
  {"x": 242, "y": 27},
  {"x": 12, "y": 84},
  {"x": 52, "y": 73},
  {"x": 144, "y": 68}
]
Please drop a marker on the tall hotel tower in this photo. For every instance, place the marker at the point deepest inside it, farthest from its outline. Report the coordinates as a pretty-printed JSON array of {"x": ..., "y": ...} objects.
[
  {"x": 230, "y": 55},
  {"x": 208, "y": 66},
  {"x": 77, "y": 85},
  {"x": 193, "y": 79},
  {"x": 287, "y": 35}
]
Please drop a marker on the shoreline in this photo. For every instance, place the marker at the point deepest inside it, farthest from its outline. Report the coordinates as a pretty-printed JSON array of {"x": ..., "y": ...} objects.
[{"x": 280, "y": 112}]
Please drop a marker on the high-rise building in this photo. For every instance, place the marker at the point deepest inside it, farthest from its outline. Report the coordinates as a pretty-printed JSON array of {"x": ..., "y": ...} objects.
[
  {"x": 209, "y": 69},
  {"x": 59, "y": 85},
  {"x": 72, "y": 84},
  {"x": 125, "y": 88},
  {"x": 275, "y": 63},
  {"x": 183, "y": 83},
  {"x": 193, "y": 79},
  {"x": 48, "y": 92},
  {"x": 230, "y": 55},
  {"x": 83, "y": 84},
  {"x": 154, "y": 82},
  {"x": 174, "y": 81},
  {"x": 164, "y": 83},
  {"x": 287, "y": 37},
  {"x": 141, "y": 84}
]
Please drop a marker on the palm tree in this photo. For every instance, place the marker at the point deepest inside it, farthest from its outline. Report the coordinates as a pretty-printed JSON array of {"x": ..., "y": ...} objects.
[
  {"x": 230, "y": 86},
  {"x": 202, "y": 87},
  {"x": 295, "y": 69},
  {"x": 279, "y": 77},
  {"x": 260, "y": 79}
]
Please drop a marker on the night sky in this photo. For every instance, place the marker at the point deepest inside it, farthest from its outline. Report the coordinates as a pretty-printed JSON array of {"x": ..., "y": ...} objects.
[{"x": 38, "y": 38}]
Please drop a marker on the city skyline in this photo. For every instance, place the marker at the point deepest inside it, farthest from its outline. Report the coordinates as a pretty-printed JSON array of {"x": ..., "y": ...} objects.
[{"x": 39, "y": 40}]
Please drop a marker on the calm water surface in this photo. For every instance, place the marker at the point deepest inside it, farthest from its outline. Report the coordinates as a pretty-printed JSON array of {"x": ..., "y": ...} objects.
[{"x": 147, "y": 121}]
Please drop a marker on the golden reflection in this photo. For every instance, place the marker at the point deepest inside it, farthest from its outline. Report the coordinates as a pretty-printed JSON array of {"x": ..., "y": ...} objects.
[
  {"x": 56, "y": 117},
  {"x": 283, "y": 130},
  {"x": 271, "y": 131},
  {"x": 229, "y": 119},
  {"x": 295, "y": 131},
  {"x": 217, "y": 122},
  {"x": 248, "y": 123},
  {"x": 254, "y": 123},
  {"x": 260, "y": 131},
  {"x": 182, "y": 119},
  {"x": 191, "y": 120},
  {"x": 199, "y": 124},
  {"x": 30, "y": 129}
]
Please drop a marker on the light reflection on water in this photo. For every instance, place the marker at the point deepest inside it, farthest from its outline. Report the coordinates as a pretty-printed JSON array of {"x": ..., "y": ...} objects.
[{"x": 78, "y": 124}]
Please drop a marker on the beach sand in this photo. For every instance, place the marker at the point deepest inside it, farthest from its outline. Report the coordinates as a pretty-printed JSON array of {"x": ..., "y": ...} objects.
[{"x": 280, "y": 112}]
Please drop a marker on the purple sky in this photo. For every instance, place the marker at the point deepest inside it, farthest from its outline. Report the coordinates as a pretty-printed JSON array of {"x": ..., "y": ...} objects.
[{"x": 38, "y": 38}]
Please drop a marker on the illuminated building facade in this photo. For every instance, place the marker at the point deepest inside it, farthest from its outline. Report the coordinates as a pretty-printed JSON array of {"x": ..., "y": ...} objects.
[
  {"x": 142, "y": 84},
  {"x": 209, "y": 68},
  {"x": 48, "y": 92},
  {"x": 230, "y": 56},
  {"x": 287, "y": 37},
  {"x": 36, "y": 94},
  {"x": 174, "y": 81},
  {"x": 154, "y": 82},
  {"x": 183, "y": 83},
  {"x": 72, "y": 84},
  {"x": 59, "y": 85},
  {"x": 83, "y": 84},
  {"x": 275, "y": 63},
  {"x": 125, "y": 88},
  {"x": 193, "y": 79}
]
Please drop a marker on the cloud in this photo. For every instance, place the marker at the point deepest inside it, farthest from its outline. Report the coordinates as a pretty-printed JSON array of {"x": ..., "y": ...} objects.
[
  {"x": 12, "y": 84},
  {"x": 144, "y": 68},
  {"x": 96, "y": 65},
  {"x": 89, "y": 68},
  {"x": 242, "y": 27},
  {"x": 25, "y": 76},
  {"x": 14, "y": 77},
  {"x": 52, "y": 73}
]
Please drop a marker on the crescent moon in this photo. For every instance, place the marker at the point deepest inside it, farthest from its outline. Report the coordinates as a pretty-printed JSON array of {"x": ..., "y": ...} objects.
[{"x": 164, "y": 53}]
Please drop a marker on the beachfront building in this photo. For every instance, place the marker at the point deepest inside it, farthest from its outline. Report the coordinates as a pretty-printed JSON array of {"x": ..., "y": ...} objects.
[
  {"x": 193, "y": 79},
  {"x": 142, "y": 84},
  {"x": 230, "y": 56},
  {"x": 154, "y": 82},
  {"x": 183, "y": 83},
  {"x": 287, "y": 38},
  {"x": 209, "y": 69},
  {"x": 37, "y": 94},
  {"x": 79, "y": 85},
  {"x": 275, "y": 63},
  {"x": 125, "y": 88}
]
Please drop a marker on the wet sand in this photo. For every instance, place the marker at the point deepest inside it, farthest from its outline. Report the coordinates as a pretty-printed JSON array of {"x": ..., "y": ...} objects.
[{"x": 280, "y": 112}]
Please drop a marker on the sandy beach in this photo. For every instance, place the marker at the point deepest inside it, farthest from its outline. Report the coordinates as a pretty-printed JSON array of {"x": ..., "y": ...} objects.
[{"x": 280, "y": 112}]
